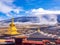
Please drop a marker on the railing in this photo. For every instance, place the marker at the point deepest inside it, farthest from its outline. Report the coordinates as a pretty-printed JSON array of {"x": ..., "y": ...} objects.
[{"x": 20, "y": 41}]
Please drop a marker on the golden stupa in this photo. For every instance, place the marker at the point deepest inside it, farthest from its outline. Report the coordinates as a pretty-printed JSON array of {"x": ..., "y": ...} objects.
[{"x": 12, "y": 30}]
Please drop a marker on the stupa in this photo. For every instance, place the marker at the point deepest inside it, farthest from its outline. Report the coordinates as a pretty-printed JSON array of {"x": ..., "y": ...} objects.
[{"x": 12, "y": 30}]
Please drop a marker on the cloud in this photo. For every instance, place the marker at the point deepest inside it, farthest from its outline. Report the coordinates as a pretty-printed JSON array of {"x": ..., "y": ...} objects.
[
  {"x": 1, "y": 18},
  {"x": 45, "y": 16},
  {"x": 6, "y": 6},
  {"x": 42, "y": 11}
]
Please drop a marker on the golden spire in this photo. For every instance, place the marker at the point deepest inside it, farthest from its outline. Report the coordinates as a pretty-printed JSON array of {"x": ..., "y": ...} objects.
[
  {"x": 12, "y": 19},
  {"x": 38, "y": 30},
  {"x": 12, "y": 22}
]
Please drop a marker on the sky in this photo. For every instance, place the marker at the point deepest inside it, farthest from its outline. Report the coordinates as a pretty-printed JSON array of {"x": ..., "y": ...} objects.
[{"x": 45, "y": 10}]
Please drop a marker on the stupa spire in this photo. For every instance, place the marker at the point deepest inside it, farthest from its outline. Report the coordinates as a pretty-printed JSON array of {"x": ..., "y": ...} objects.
[{"x": 38, "y": 30}]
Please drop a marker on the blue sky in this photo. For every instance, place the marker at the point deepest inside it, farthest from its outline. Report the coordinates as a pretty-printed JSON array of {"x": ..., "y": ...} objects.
[
  {"x": 42, "y": 9},
  {"x": 31, "y": 4}
]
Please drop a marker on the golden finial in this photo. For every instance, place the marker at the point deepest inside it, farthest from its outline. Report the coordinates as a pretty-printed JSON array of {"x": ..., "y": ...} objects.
[
  {"x": 12, "y": 19},
  {"x": 38, "y": 30}
]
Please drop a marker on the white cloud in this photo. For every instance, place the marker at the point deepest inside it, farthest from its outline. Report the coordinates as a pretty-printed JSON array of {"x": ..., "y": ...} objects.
[
  {"x": 6, "y": 6},
  {"x": 40, "y": 13},
  {"x": 10, "y": 1},
  {"x": 1, "y": 18}
]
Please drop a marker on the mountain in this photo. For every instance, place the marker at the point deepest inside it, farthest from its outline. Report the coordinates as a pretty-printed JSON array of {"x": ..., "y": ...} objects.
[
  {"x": 58, "y": 18},
  {"x": 30, "y": 19},
  {"x": 23, "y": 19}
]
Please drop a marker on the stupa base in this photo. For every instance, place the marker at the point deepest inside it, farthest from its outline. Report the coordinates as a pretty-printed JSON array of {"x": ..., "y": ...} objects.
[{"x": 11, "y": 34}]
